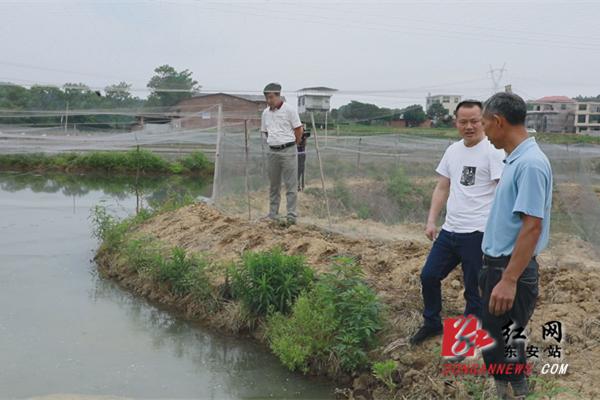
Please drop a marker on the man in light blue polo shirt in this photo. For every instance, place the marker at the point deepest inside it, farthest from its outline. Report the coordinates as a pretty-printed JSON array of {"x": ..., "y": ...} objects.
[{"x": 517, "y": 231}]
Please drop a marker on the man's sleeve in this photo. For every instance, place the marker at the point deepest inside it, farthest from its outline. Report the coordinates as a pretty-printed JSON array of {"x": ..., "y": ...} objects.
[
  {"x": 496, "y": 163},
  {"x": 532, "y": 189},
  {"x": 442, "y": 167},
  {"x": 295, "y": 119}
]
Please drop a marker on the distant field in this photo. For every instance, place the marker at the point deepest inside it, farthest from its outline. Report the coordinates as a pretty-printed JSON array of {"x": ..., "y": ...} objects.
[{"x": 368, "y": 130}]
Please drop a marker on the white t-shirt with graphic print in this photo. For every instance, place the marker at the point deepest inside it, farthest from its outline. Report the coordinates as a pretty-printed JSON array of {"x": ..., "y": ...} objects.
[{"x": 473, "y": 172}]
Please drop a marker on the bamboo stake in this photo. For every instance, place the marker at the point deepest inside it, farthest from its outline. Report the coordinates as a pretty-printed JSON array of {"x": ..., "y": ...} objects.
[
  {"x": 246, "y": 167},
  {"x": 312, "y": 117}
]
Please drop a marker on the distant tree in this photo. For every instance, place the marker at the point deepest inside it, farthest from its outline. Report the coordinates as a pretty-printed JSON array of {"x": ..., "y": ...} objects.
[
  {"x": 119, "y": 94},
  {"x": 169, "y": 86},
  {"x": 588, "y": 98},
  {"x": 414, "y": 115},
  {"x": 437, "y": 113},
  {"x": 365, "y": 113},
  {"x": 355, "y": 110},
  {"x": 13, "y": 96}
]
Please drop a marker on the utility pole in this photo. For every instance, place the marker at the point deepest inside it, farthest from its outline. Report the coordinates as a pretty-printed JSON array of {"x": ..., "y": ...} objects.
[{"x": 66, "y": 116}]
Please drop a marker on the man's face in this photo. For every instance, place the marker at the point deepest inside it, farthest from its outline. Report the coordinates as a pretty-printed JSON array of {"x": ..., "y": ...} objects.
[
  {"x": 494, "y": 129},
  {"x": 273, "y": 99},
  {"x": 468, "y": 123}
]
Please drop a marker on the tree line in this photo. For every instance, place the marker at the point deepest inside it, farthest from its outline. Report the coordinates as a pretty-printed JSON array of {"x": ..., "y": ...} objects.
[
  {"x": 167, "y": 87},
  {"x": 371, "y": 114}
]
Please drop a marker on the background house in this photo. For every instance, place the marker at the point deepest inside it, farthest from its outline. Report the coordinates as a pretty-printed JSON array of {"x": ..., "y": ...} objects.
[
  {"x": 315, "y": 99},
  {"x": 553, "y": 114},
  {"x": 235, "y": 107},
  {"x": 587, "y": 118},
  {"x": 448, "y": 101}
]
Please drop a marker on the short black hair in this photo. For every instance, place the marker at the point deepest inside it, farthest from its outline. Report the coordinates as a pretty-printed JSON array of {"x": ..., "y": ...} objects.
[
  {"x": 507, "y": 105},
  {"x": 272, "y": 88},
  {"x": 468, "y": 104}
]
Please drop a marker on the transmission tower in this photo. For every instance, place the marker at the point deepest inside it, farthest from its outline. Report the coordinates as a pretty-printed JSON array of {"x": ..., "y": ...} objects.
[{"x": 496, "y": 76}]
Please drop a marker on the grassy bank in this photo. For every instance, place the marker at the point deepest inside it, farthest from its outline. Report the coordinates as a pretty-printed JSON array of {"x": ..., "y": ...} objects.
[
  {"x": 451, "y": 133},
  {"x": 322, "y": 323},
  {"x": 131, "y": 162}
]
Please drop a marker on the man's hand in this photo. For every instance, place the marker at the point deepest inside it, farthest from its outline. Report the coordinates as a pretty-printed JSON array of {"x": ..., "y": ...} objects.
[
  {"x": 503, "y": 296},
  {"x": 298, "y": 133},
  {"x": 431, "y": 231}
]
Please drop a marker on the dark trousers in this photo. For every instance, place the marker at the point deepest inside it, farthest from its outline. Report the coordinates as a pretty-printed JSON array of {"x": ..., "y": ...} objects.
[
  {"x": 525, "y": 299},
  {"x": 450, "y": 249}
]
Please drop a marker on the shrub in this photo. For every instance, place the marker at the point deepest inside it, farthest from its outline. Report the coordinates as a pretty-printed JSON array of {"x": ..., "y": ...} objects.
[
  {"x": 270, "y": 280},
  {"x": 174, "y": 269},
  {"x": 108, "y": 228},
  {"x": 196, "y": 162},
  {"x": 342, "y": 194},
  {"x": 337, "y": 319},
  {"x": 364, "y": 212},
  {"x": 383, "y": 371},
  {"x": 308, "y": 333},
  {"x": 408, "y": 196},
  {"x": 143, "y": 254}
]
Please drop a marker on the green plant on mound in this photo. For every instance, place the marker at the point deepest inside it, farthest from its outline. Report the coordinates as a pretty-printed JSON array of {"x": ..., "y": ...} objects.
[
  {"x": 335, "y": 320},
  {"x": 408, "y": 196},
  {"x": 269, "y": 280},
  {"x": 109, "y": 229},
  {"x": 383, "y": 371}
]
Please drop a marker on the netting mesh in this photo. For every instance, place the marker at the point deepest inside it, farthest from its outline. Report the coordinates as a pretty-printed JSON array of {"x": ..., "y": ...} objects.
[
  {"x": 380, "y": 185},
  {"x": 172, "y": 135}
]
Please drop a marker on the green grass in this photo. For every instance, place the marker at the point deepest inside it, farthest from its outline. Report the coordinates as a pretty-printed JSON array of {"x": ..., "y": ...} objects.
[
  {"x": 452, "y": 133},
  {"x": 370, "y": 130},
  {"x": 119, "y": 163}
]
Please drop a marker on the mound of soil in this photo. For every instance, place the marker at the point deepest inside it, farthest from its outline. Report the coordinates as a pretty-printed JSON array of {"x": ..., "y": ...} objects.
[{"x": 569, "y": 292}]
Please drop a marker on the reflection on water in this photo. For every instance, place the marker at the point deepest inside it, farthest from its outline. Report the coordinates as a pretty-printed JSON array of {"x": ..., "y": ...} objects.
[{"x": 65, "y": 330}]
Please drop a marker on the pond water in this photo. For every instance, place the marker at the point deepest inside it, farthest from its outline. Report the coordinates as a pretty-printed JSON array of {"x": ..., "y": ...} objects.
[{"x": 64, "y": 330}]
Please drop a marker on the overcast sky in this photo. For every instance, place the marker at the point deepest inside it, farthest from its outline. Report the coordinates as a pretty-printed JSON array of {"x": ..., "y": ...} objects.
[{"x": 388, "y": 53}]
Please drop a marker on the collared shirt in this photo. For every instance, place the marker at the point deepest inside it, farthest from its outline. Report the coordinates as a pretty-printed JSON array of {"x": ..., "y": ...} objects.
[
  {"x": 525, "y": 188},
  {"x": 279, "y": 124}
]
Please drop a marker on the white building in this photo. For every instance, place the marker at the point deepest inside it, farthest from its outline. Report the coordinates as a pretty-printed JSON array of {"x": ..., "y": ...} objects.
[
  {"x": 448, "y": 101},
  {"x": 587, "y": 118},
  {"x": 552, "y": 114},
  {"x": 315, "y": 99}
]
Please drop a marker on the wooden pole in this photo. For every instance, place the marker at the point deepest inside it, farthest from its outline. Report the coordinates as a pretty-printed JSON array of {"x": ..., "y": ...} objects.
[
  {"x": 358, "y": 157},
  {"x": 312, "y": 118},
  {"x": 67, "y": 117},
  {"x": 326, "y": 131},
  {"x": 246, "y": 167},
  {"x": 216, "y": 176}
]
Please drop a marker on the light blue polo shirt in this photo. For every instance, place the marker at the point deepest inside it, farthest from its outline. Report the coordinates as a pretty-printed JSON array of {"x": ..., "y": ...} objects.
[{"x": 525, "y": 187}]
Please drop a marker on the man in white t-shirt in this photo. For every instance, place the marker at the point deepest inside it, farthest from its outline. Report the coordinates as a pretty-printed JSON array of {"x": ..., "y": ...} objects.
[
  {"x": 282, "y": 126},
  {"x": 468, "y": 174}
]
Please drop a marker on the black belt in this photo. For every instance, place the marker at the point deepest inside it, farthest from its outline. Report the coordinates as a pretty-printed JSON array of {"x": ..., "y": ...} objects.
[
  {"x": 283, "y": 146},
  {"x": 498, "y": 262}
]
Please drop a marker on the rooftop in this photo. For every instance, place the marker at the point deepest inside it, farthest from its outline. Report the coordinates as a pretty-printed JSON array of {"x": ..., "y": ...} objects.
[
  {"x": 555, "y": 99},
  {"x": 318, "y": 88}
]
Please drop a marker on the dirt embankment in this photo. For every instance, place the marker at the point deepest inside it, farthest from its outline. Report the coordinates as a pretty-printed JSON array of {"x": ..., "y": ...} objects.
[{"x": 569, "y": 292}]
